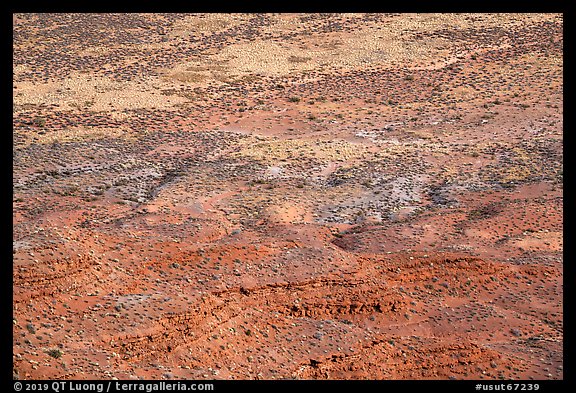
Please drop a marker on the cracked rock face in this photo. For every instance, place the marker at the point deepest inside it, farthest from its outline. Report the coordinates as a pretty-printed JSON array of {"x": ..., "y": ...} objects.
[{"x": 287, "y": 196}]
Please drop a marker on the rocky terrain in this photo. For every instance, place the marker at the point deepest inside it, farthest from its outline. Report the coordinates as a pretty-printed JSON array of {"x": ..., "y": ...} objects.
[{"x": 287, "y": 196}]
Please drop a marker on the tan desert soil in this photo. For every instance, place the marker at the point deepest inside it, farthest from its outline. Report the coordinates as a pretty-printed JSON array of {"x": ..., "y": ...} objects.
[{"x": 288, "y": 196}]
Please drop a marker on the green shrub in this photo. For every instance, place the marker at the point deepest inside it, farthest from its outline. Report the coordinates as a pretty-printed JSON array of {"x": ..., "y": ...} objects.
[
  {"x": 55, "y": 353},
  {"x": 39, "y": 121}
]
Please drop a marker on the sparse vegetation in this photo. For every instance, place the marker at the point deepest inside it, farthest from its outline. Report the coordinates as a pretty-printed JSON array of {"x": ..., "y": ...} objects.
[
  {"x": 55, "y": 353},
  {"x": 337, "y": 187},
  {"x": 39, "y": 121}
]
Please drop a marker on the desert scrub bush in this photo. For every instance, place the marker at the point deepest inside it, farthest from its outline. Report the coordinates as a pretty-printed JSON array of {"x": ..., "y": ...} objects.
[
  {"x": 486, "y": 211},
  {"x": 39, "y": 121},
  {"x": 55, "y": 353},
  {"x": 294, "y": 99}
]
